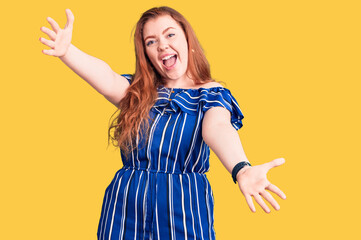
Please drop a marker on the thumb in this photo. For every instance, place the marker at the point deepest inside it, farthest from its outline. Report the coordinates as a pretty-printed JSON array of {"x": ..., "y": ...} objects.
[
  {"x": 275, "y": 163},
  {"x": 70, "y": 18}
]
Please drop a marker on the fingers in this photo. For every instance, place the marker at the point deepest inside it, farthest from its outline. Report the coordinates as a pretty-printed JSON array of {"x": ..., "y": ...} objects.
[
  {"x": 266, "y": 195},
  {"x": 53, "y": 24},
  {"x": 250, "y": 202},
  {"x": 50, "y": 33},
  {"x": 275, "y": 163},
  {"x": 70, "y": 19},
  {"x": 49, "y": 52},
  {"x": 276, "y": 190},
  {"x": 59, "y": 39},
  {"x": 258, "y": 184},
  {"x": 260, "y": 201},
  {"x": 47, "y": 42}
]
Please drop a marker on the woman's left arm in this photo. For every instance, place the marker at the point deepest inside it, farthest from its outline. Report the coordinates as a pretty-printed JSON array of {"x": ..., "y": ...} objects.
[{"x": 223, "y": 139}]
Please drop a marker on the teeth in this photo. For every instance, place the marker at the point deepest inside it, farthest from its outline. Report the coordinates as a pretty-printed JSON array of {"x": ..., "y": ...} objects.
[{"x": 167, "y": 57}]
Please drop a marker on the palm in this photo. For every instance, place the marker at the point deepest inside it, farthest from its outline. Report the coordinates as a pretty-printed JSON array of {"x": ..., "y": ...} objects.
[
  {"x": 253, "y": 182},
  {"x": 60, "y": 39}
]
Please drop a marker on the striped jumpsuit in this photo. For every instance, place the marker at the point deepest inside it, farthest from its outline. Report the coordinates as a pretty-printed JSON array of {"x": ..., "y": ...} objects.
[{"x": 162, "y": 192}]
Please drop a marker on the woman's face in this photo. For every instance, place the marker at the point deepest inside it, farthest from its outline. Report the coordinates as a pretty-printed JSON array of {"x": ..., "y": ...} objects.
[{"x": 167, "y": 48}]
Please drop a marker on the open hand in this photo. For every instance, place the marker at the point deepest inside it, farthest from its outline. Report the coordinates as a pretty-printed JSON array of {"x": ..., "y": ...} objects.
[
  {"x": 60, "y": 38},
  {"x": 253, "y": 181}
]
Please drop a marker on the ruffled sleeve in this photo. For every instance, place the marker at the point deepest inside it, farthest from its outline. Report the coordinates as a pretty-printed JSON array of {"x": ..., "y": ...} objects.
[
  {"x": 192, "y": 101},
  {"x": 128, "y": 77},
  {"x": 224, "y": 98}
]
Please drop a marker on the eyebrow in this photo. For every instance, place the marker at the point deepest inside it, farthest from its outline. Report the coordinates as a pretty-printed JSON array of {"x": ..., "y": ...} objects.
[{"x": 162, "y": 33}]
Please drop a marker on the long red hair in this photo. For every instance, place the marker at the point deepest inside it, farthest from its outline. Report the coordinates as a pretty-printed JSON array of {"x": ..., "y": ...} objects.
[{"x": 142, "y": 93}]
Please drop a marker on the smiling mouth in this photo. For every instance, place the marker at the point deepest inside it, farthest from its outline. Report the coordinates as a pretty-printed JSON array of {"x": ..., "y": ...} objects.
[{"x": 169, "y": 63}]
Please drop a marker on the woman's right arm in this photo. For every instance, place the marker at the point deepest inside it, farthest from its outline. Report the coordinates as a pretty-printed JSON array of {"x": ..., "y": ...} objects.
[
  {"x": 97, "y": 73},
  {"x": 94, "y": 71}
]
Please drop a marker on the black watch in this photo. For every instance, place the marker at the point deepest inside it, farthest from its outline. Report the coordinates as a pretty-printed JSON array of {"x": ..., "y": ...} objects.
[{"x": 237, "y": 168}]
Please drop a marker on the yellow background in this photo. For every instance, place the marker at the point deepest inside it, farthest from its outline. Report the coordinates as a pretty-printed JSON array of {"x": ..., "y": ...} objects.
[{"x": 293, "y": 66}]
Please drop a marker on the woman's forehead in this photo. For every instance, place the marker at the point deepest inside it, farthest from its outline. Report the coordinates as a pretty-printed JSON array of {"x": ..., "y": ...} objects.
[{"x": 157, "y": 26}]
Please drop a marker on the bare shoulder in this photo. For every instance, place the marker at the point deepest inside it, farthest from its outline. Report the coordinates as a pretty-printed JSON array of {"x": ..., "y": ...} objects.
[{"x": 211, "y": 84}]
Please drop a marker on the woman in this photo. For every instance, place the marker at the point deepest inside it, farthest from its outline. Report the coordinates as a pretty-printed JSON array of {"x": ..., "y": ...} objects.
[{"x": 172, "y": 112}]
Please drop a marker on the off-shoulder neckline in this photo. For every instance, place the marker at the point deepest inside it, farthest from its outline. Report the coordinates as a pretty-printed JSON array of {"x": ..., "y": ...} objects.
[{"x": 190, "y": 89}]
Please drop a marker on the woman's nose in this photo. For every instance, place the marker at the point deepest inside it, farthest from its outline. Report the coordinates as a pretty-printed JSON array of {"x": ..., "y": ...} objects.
[{"x": 162, "y": 46}]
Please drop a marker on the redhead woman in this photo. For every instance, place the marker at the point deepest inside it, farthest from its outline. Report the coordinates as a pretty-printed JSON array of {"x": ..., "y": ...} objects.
[{"x": 171, "y": 113}]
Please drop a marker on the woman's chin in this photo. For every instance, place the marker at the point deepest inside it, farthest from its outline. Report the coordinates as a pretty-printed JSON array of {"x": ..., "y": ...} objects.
[{"x": 174, "y": 76}]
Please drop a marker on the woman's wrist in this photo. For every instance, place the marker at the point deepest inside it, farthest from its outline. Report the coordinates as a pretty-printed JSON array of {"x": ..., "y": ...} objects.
[
  {"x": 237, "y": 168},
  {"x": 242, "y": 171}
]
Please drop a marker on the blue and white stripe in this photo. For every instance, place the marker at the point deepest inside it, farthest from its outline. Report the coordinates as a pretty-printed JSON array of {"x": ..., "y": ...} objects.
[{"x": 163, "y": 192}]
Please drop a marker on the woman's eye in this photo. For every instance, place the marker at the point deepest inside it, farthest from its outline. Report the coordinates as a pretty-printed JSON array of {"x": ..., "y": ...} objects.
[
  {"x": 150, "y": 42},
  {"x": 171, "y": 35}
]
